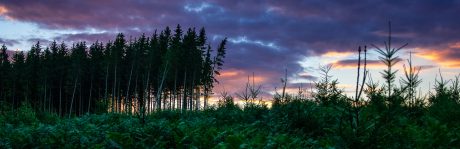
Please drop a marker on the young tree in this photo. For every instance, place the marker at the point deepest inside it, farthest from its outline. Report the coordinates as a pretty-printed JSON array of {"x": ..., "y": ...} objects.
[
  {"x": 411, "y": 80},
  {"x": 389, "y": 58}
]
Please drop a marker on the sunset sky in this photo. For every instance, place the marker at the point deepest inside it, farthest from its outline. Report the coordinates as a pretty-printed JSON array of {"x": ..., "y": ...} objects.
[{"x": 265, "y": 37}]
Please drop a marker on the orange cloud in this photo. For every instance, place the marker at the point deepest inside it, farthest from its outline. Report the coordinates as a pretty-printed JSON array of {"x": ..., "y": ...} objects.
[
  {"x": 234, "y": 81},
  {"x": 3, "y": 10},
  {"x": 229, "y": 73},
  {"x": 445, "y": 57},
  {"x": 429, "y": 54},
  {"x": 337, "y": 54},
  {"x": 353, "y": 63},
  {"x": 454, "y": 45}
]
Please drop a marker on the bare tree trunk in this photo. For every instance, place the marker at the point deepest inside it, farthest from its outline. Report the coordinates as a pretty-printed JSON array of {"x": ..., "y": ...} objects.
[
  {"x": 60, "y": 97},
  {"x": 175, "y": 90},
  {"x": 170, "y": 99},
  {"x": 79, "y": 102},
  {"x": 136, "y": 96},
  {"x": 13, "y": 99},
  {"x": 160, "y": 88},
  {"x": 73, "y": 96},
  {"x": 44, "y": 98},
  {"x": 90, "y": 94},
  {"x": 50, "y": 100},
  {"x": 129, "y": 84},
  {"x": 191, "y": 92},
  {"x": 114, "y": 89},
  {"x": 184, "y": 98},
  {"x": 119, "y": 96},
  {"x": 106, "y": 86},
  {"x": 142, "y": 101},
  {"x": 197, "y": 97}
]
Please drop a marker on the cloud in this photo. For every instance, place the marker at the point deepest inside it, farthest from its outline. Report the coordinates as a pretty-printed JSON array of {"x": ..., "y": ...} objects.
[
  {"x": 265, "y": 37},
  {"x": 335, "y": 54},
  {"x": 90, "y": 14},
  {"x": 42, "y": 41},
  {"x": 353, "y": 63},
  {"x": 307, "y": 76},
  {"x": 88, "y": 37},
  {"x": 8, "y": 42},
  {"x": 446, "y": 56},
  {"x": 425, "y": 67}
]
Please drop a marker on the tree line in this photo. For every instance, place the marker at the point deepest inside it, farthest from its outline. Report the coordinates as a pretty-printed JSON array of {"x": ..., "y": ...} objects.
[{"x": 170, "y": 70}]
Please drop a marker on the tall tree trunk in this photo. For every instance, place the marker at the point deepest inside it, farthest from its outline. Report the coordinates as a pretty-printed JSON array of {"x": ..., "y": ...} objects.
[
  {"x": 114, "y": 89},
  {"x": 119, "y": 96},
  {"x": 184, "y": 98},
  {"x": 106, "y": 87},
  {"x": 142, "y": 101},
  {"x": 50, "y": 99},
  {"x": 160, "y": 88},
  {"x": 13, "y": 98},
  {"x": 192, "y": 87},
  {"x": 60, "y": 97},
  {"x": 198, "y": 103},
  {"x": 129, "y": 84},
  {"x": 73, "y": 96},
  {"x": 175, "y": 91},
  {"x": 136, "y": 95},
  {"x": 44, "y": 98},
  {"x": 90, "y": 94},
  {"x": 80, "y": 107}
]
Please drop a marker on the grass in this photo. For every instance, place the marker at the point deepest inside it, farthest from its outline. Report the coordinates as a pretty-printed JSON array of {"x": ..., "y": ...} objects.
[{"x": 292, "y": 124}]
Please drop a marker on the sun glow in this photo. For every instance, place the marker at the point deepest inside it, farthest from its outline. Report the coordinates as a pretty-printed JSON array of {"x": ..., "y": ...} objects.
[
  {"x": 336, "y": 54},
  {"x": 3, "y": 10},
  {"x": 441, "y": 57},
  {"x": 229, "y": 73}
]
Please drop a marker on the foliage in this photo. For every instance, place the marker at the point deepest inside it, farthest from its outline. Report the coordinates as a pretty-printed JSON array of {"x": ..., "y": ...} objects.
[
  {"x": 297, "y": 123},
  {"x": 37, "y": 93}
]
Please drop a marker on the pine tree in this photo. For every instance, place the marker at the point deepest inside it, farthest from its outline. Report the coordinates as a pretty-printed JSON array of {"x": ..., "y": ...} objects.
[
  {"x": 5, "y": 74},
  {"x": 19, "y": 83},
  {"x": 79, "y": 62},
  {"x": 389, "y": 58},
  {"x": 117, "y": 54},
  {"x": 123, "y": 76},
  {"x": 97, "y": 73},
  {"x": 33, "y": 67}
]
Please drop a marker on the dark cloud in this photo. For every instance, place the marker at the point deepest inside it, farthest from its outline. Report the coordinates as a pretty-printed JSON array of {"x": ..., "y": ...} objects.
[
  {"x": 352, "y": 63},
  {"x": 305, "y": 27},
  {"x": 8, "y": 42},
  {"x": 42, "y": 41},
  {"x": 307, "y": 77},
  {"x": 278, "y": 33},
  {"x": 92, "y": 14},
  {"x": 88, "y": 37},
  {"x": 425, "y": 67}
]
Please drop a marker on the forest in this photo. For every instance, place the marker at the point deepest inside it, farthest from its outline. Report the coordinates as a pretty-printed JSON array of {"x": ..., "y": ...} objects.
[
  {"x": 166, "y": 71},
  {"x": 153, "y": 92}
]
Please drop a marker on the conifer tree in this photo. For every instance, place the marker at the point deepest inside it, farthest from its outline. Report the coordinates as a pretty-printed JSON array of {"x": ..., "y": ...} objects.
[{"x": 5, "y": 74}]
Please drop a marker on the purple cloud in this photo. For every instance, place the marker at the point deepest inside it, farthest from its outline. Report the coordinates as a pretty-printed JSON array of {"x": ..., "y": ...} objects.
[
  {"x": 8, "y": 42},
  {"x": 264, "y": 36}
]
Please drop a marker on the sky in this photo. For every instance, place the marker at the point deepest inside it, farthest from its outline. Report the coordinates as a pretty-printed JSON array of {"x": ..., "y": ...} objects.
[{"x": 265, "y": 37}]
